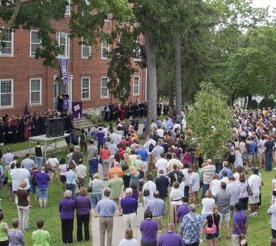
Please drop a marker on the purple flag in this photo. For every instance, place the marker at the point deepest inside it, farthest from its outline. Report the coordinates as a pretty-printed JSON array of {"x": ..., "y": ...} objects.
[
  {"x": 26, "y": 109},
  {"x": 63, "y": 64},
  {"x": 65, "y": 105},
  {"x": 77, "y": 110}
]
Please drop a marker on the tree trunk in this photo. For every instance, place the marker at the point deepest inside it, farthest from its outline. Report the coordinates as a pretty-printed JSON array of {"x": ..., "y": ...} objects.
[
  {"x": 171, "y": 89},
  {"x": 152, "y": 79},
  {"x": 249, "y": 101},
  {"x": 178, "y": 88}
]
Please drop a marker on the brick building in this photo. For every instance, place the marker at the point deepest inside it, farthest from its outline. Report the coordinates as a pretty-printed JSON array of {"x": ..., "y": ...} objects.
[{"x": 23, "y": 79}]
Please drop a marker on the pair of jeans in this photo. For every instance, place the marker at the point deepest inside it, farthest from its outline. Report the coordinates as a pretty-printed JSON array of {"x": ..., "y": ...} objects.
[
  {"x": 33, "y": 187},
  {"x": 39, "y": 160},
  {"x": 268, "y": 161},
  {"x": 72, "y": 188},
  {"x": 43, "y": 193},
  {"x": 83, "y": 220},
  {"x": 67, "y": 226},
  {"x": 204, "y": 189}
]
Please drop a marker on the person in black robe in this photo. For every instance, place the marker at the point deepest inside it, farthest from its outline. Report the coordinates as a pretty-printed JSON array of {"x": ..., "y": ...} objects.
[
  {"x": 14, "y": 132},
  {"x": 60, "y": 103},
  {"x": 36, "y": 126},
  {"x": 159, "y": 109},
  {"x": 2, "y": 132},
  {"x": 21, "y": 137},
  {"x": 8, "y": 133},
  {"x": 166, "y": 109},
  {"x": 42, "y": 120}
]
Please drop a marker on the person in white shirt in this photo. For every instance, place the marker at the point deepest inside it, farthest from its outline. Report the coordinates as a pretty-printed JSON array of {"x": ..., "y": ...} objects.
[
  {"x": 215, "y": 185},
  {"x": 52, "y": 164},
  {"x": 128, "y": 240},
  {"x": 177, "y": 126},
  {"x": 272, "y": 211},
  {"x": 234, "y": 189},
  {"x": 151, "y": 186},
  {"x": 186, "y": 174},
  {"x": 194, "y": 186},
  {"x": 114, "y": 136},
  {"x": 160, "y": 132},
  {"x": 255, "y": 183},
  {"x": 207, "y": 205},
  {"x": 20, "y": 174},
  {"x": 184, "y": 124},
  {"x": 161, "y": 164},
  {"x": 175, "y": 201},
  {"x": 81, "y": 174},
  {"x": 153, "y": 126},
  {"x": 7, "y": 158},
  {"x": 149, "y": 143}
]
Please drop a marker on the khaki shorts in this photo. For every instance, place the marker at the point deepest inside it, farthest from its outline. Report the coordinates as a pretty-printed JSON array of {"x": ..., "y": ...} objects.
[
  {"x": 254, "y": 199},
  {"x": 260, "y": 156},
  {"x": 236, "y": 239},
  {"x": 117, "y": 201},
  {"x": 195, "y": 196},
  {"x": 251, "y": 158},
  {"x": 224, "y": 217}
]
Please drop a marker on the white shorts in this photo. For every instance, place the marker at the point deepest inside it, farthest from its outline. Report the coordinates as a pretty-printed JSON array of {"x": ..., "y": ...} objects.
[
  {"x": 224, "y": 217},
  {"x": 254, "y": 199}
]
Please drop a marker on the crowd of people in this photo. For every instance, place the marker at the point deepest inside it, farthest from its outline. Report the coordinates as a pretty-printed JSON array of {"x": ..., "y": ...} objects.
[{"x": 168, "y": 176}]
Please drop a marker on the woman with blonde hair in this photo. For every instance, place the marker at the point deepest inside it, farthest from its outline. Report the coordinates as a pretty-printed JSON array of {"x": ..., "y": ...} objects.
[
  {"x": 212, "y": 221},
  {"x": 126, "y": 164},
  {"x": 96, "y": 190}
]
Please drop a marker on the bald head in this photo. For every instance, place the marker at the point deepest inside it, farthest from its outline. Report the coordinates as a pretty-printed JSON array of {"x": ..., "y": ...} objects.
[
  {"x": 156, "y": 194},
  {"x": 170, "y": 227},
  {"x": 116, "y": 164},
  {"x": 209, "y": 161}
]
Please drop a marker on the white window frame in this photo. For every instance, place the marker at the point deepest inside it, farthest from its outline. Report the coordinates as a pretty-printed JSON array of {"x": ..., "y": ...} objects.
[
  {"x": 89, "y": 86},
  {"x": 32, "y": 31},
  {"x": 104, "y": 46},
  {"x": 9, "y": 106},
  {"x": 67, "y": 48},
  {"x": 107, "y": 96},
  {"x": 138, "y": 93},
  {"x": 40, "y": 91},
  {"x": 82, "y": 53},
  {"x": 12, "y": 44},
  {"x": 68, "y": 8}
]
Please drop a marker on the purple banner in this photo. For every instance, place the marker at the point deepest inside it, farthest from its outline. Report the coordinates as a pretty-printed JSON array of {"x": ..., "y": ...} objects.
[
  {"x": 63, "y": 64},
  {"x": 65, "y": 105},
  {"x": 76, "y": 110}
]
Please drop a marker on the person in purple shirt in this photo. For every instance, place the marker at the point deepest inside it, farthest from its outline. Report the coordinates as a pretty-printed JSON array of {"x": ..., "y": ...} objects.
[
  {"x": 149, "y": 229},
  {"x": 66, "y": 209},
  {"x": 43, "y": 179},
  {"x": 129, "y": 207},
  {"x": 182, "y": 211},
  {"x": 170, "y": 238},
  {"x": 83, "y": 207},
  {"x": 239, "y": 225},
  {"x": 100, "y": 135}
]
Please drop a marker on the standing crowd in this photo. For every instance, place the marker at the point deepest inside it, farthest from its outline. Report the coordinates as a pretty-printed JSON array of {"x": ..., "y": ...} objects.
[{"x": 165, "y": 175}]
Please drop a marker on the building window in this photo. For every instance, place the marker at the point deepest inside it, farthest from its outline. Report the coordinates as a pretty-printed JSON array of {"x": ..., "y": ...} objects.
[
  {"x": 64, "y": 44},
  {"x": 85, "y": 88},
  {"x": 85, "y": 51},
  {"x": 35, "y": 91},
  {"x": 137, "y": 52},
  {"x": 105, "y": 50},
  {"x": 6, "y": 93},
  {"x": 35, "y": 42},
  {"x": 104, "y": 88},
  {"x": 68, "y": 8},
  {"x": 136, "y": 86},
  {"x": 6, "y": 46}
]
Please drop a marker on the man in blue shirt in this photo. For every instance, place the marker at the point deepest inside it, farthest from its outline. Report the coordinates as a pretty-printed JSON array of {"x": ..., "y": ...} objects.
[
  {"x": 225, "y": 167},
  {"x": 251, "y": 156},
  {"x": 143, "y": 153},
  {"x": 268, "y": 149},
  {"x": 106, "y": 209},
  {"x": 129, "y": 206},
  {"x": 156, "y": 206}
]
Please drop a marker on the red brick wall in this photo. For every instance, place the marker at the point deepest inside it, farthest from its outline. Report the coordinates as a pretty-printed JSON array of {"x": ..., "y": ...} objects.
[{"x": 21, "y": 67}]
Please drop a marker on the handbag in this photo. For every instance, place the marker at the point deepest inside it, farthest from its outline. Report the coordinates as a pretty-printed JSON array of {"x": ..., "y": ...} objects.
[
  {"x": 146, "y": 192},
  {"x": 211, "y": 230},
  {"x": 124, "y": 166},
  {"x": 249, "y": 190},
  {"x": 90, "y": 188}
]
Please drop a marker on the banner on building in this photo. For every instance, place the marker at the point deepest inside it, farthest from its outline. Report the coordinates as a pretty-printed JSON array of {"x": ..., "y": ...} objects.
[
  {"x": 63, "y": 64},
  {"x": 77, "y": 110}
]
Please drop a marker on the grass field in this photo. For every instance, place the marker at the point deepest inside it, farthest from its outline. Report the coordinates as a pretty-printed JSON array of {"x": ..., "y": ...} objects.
[{"x": 258, "y": 230}]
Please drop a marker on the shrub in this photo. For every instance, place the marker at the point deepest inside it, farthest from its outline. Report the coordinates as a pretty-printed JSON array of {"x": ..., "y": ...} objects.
[
  {"x": 267, "y": 102},
  {"x": 253, "y": 104}
]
